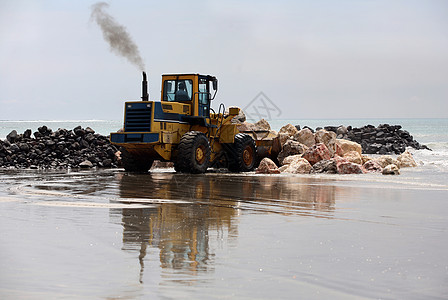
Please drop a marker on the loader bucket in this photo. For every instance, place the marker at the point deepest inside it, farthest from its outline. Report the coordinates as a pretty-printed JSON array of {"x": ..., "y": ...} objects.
[{"x": 268, "y": 144}]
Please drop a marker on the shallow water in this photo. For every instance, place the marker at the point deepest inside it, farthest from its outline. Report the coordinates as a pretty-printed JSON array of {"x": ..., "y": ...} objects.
[{"x": 110, "y": 234}]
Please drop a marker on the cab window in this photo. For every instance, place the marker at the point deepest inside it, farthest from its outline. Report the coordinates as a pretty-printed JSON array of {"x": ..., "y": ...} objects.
[
  {"x": 203, "y": 91},
  {"x": 178, "y": 90}
]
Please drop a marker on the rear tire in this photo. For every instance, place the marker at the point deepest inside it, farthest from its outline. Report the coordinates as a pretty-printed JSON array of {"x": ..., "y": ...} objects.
[
  {"x": 133, "y": 163},
  {"x": 242, "y": 154},
  {"x": 193, "y": 153}
]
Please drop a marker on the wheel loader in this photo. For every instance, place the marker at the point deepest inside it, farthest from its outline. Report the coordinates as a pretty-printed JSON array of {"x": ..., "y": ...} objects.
[{"x": 184, "y": 129}]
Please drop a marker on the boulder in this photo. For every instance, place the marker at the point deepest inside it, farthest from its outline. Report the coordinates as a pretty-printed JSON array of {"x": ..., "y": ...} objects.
[
  {"x": 283, "y": 168},
  {"x": 290, "y": 129},
  {"x": 338, "y": 150},
  {"x": 312, "y": 130},
  {"x": 79, "y": 131},
  {"x": 267, "y": 166},
  {"x": 286, "y": 132},
  {"x": 391, "y": 169},
  {"x": 339, "y": 159},
  {"x": 24, "y": 147},
  {"x": 6, "y": 143},
  {"x": 406, "y": 160},
  {"x": 341, "y": 130},
  {"x": 86, "y": 164},
  {"x": 305, "y": 136},
  {"x": 291, "y": 147},
  {"x": 317, "y": 153},
  {"x": 27, "y": 134},
  {"x": 84, "y": 144},
  {"x": 372, "y": 166},
  {"x": 349, "y": 168},
  {"x": 12, "y": 136},
  {"x": 262, "y": 125},
  {"x": 328, "y": 138},
  {"x": 347, "y": 146},
  {"x": 325, "y": 166},
  {"x": 245, "y": 126},
  {"x": 283, "y": 137},
  {"x": 14, "y": 148},
  {"x": 89, "y": 137},
  {"x": 44, "y": 130},
  {"x": 354, "y": 157},
  {"x": 297, "y": 166},
  {"x": 288, "y": 160},
  {"x": 240, "y": 118},
  {"x": 372, "y": 148},
  {"x": 365, "y": 158},
  {"x": 90, "y": 130},
  {"x": 386, "y": 160},
  {"x": 107, "y": 163},
  {"x": 331, "y": 128},
  {"x": 37, "y": 135}
]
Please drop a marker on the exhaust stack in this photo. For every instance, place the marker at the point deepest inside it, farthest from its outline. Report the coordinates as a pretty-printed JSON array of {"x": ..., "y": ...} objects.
[{"x": 145, "y": 95}]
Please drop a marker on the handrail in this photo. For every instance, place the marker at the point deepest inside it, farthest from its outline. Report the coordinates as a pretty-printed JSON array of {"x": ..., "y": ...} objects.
[{"x": 220, "y": 115}]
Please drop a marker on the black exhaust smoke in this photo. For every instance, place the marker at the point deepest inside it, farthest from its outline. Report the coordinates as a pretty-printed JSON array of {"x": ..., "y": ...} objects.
[{"x": 117, "y": 37}]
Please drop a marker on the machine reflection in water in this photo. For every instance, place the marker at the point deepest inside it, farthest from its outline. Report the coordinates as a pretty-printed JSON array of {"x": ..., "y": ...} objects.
[{"x": 196, "y": 209}]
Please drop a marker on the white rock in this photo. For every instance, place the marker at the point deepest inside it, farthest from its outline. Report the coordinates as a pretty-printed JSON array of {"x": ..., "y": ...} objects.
[
  {"x": 305, "y": 136},
  {"x": 86, "y": 164},
  {"x": 347, "y": 146},
  {"x": 391, "y": 169},
  {"x": 406, "y": 160}
]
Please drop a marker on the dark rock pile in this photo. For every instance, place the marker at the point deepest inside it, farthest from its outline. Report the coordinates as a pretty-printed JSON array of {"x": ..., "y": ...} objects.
[
  {"x": 60, "y": 149},
  {"x": 384, "y": 139}
]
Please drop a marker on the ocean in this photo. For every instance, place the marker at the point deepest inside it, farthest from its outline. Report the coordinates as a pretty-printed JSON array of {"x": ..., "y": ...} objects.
[{"x": 108, "y": 234}]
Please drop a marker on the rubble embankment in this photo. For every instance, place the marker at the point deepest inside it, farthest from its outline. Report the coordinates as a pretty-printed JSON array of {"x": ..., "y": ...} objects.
[
  {"x": 60, "y": 149},
  {"x": 383, "y": 139},
  {"x": 338, "y": 150}
]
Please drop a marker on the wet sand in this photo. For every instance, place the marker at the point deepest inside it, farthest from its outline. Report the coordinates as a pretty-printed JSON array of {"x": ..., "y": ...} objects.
[{"x": 109, "y": 234}]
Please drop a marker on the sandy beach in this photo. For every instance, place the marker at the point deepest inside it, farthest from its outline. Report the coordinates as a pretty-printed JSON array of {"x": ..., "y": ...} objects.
[{"x": 109, "y": 234}]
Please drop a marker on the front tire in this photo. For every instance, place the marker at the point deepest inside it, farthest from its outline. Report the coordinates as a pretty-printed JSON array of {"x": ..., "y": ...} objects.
[
  {"x": 193, "y": 153},
  {"x": 242, "y": 154},
  {"x": 133, "y": 163}
]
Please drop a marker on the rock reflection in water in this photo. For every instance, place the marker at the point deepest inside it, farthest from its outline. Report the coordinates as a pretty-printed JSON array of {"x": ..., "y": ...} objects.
[{"x": 208, "y": 207}]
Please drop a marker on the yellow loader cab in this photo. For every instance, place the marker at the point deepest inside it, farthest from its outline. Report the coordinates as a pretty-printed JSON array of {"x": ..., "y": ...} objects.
[{"x": 183, "y": 128}]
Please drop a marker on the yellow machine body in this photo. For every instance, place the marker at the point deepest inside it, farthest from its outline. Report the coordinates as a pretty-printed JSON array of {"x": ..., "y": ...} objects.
[{"x": 154, "y": 128}]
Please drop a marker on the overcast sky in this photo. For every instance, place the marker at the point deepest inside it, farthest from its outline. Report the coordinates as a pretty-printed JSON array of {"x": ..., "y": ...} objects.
[{"x": 313, "y": 59}]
